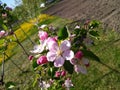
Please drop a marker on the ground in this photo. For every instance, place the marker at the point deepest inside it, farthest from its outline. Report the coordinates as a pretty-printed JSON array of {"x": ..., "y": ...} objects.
[{"x": 107, "y": 11}]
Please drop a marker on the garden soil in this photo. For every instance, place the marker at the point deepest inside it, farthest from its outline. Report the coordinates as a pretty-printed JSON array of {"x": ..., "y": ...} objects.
[{"x": 107, "y": 11}]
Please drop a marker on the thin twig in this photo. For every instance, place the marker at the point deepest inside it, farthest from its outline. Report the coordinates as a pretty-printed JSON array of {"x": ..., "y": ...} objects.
[
  {"x": 17, "y": 40},
  {"x": 2, "y": 74},
  {"x": 14, "y": 63},
  {"x": 26, "y": 34}
]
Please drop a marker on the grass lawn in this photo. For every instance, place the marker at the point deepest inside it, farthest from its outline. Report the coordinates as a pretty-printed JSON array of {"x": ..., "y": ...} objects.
[{"x": 99, "y": 77}]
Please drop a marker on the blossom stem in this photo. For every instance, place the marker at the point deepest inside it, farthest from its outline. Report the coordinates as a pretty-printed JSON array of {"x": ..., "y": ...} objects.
[{"x": 68, "y": 88}]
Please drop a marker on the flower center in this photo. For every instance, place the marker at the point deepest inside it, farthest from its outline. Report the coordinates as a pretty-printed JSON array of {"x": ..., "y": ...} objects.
[{"x": 59, "y": 52}]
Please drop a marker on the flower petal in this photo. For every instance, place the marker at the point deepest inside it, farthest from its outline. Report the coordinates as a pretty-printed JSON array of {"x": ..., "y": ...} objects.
[
  {"x": 65, "y": 45},
  {"x": 59, "y": 61},
  {"x": 51, "y": 56},
  {"x": 81, "y": 69},
  {"x": 52, "y": 44},
  {"x": 85, "y": 61},
  {"x": 68, "y": 55},
  {"x": 74, "y": 61},
  {"x": 37, "y": 49}
]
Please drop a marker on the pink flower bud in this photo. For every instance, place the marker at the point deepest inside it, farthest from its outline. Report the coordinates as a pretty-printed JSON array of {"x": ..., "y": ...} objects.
[
  {"x": 42, "y": 60},
  {"x": 42, "y": 35},
  {"x": 2, "y": 33},
  {"x": 63, "y": 73},
  {"x": 79, "y": 55},
  {"x": 30, "y": 57},
  {"x": 57, "y": 74}
]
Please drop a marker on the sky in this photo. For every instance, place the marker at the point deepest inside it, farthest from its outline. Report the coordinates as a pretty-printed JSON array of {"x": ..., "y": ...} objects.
[{"x": 10, "y": 3}]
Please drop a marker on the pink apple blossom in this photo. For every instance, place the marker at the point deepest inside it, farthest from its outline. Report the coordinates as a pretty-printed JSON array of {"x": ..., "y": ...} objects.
[
  {"x": 68, "y": 83},
  {"x": 80, "y": 64},
  {"x": 59, "y": 53},
  {"x": 44, "y": 85},
  {"x": 42, "y": 60}
]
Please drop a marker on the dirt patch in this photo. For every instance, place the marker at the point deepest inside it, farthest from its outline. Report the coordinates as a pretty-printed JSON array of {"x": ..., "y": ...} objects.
[{"x": 107, "y": 11}]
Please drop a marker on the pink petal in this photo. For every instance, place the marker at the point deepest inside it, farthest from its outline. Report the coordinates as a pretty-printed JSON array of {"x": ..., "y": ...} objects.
[
  {"x": 65, "y": 45},
  {"x": 2, "y": 33},
  {"x": 85, "y": 61},
  {"x": 59, "y": 61},
  {"x": 68, "y": 55},
  {"x": 68, "y": 83},
  {"x": 81, "y": 69},
  {"x": 52, "y": 44},
  {"x": 37, "y": 49},
  {"x": 51, "y": 56},
  {"x": 74, "y": 61},
  {"x": 42, "y": 35}
]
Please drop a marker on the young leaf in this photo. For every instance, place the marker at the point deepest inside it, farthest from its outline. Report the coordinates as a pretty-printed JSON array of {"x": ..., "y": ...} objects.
[
  {"x": 90, "y": 54},
  {"x": 94, "y": 33},
  {"x": 94, "y": 24},
  {"x": 68, "y": 67},
  {"x": 34, "y": 64},
  {"x": 4, "y": 27},
  {"x": 62, "y": 33}
]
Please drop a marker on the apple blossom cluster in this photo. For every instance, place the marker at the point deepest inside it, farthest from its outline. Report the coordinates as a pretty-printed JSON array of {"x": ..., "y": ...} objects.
[
  {"x": 60, "y": 56},
  {"x": 58, "y": 52}
]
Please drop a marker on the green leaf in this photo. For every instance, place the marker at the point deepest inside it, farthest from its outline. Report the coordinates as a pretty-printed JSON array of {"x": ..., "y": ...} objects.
[
  {"x": 51, "y": 71},
  {"x": 34, "y": 64},
  {"x": 62, "y": 33},
  {"x": 94, "y": 24},
  {"x": 10, "y": 85},
  {"x": 68, "y": 67},
  {"x": 77, "y": 31},
  {"x": 4, "y": 27},
  {"x": 94, "y": 33},
  {"x": 90, "y": 54}
]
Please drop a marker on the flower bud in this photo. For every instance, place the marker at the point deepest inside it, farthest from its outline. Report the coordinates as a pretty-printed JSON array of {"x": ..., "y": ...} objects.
[
  {"x": 57, "y": 74},
  {"x": 30, "y": 57},
  {"x": 42, "y": 60},
  {"x": 79, "y": 55},
  {"x": 42, "y": 35},
  {"x": 63, "y": 73}
]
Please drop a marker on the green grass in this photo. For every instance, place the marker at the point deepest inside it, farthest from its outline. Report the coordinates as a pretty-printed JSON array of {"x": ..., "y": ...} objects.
[{"x": 99, "y": 77}]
